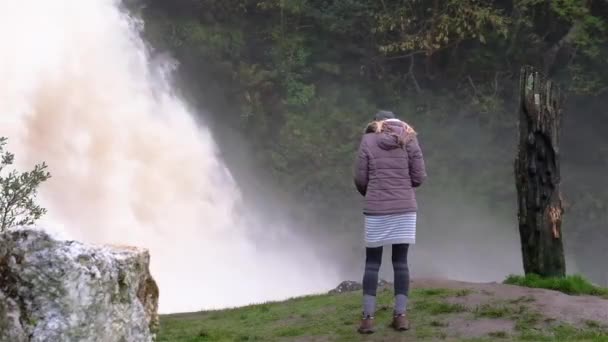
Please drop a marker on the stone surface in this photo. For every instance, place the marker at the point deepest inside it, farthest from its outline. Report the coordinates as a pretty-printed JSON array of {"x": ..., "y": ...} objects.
[
  {"x": 350, "y": 286},
  {"x": 346, "y": 286},
  {"x": 53, "y": 290}
]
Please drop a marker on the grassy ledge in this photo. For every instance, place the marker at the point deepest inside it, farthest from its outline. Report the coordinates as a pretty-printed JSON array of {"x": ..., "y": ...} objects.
[
  {"x": 321, "y": 317},
  {"x": 572, "y": 285},
  {"x": 436, "y": 314}
]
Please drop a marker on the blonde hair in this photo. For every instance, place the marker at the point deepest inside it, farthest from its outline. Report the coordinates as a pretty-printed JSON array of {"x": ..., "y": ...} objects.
[{"x": 380, "y": 127}]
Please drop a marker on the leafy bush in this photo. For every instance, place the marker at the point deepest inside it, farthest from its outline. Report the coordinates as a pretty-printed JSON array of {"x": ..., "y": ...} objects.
[{"x": 18, "y": 191}]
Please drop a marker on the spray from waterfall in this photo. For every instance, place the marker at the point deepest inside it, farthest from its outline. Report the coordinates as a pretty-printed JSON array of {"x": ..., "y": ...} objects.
[{"x": 129, "y": 164}]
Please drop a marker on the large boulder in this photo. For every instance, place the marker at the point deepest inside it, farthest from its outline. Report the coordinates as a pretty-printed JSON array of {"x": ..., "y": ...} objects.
[{"x": 54, "y": 290}]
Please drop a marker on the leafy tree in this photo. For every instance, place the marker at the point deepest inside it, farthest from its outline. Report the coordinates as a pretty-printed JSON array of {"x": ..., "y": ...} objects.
[
  {"x": 18, "y": 191},
  {"x": 299, "y": 79}
]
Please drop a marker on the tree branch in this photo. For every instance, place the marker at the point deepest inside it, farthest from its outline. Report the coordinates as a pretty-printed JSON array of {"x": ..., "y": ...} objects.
[
  {"x": 411, "y": 75},
  {"x": 409, "y": 55},
  {"x": 383, "y": 5},
  {"x": 475, "y": 92},
  {"x": 550, "y": 56}
]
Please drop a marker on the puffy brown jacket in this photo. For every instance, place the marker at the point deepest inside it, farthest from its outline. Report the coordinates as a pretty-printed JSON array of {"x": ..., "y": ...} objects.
[{"x": 387, "y": 171}]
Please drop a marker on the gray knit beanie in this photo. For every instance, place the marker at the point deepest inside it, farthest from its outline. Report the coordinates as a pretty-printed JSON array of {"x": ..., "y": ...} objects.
[{"x": 384, "y": 115}]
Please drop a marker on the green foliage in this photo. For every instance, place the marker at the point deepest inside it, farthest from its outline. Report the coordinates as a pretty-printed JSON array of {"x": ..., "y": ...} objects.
[
  {"x": 417, "y": 27},
  {"x": 573, "y": 285},
  {"x": 577, "y": 29},
  {"x": 301, "y": 78},
  {"x": 18, "y": 191}
]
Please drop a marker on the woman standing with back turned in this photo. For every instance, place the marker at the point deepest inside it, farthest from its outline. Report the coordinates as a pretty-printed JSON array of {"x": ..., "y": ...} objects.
[{"x": 389, "y": 166}]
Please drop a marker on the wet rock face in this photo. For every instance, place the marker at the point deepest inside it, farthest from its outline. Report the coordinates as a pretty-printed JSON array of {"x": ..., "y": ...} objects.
[{"x": 52, "y": 290}]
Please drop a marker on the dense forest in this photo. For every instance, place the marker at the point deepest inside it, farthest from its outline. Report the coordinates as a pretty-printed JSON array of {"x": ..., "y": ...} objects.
[{"x": 299, "y": 79}]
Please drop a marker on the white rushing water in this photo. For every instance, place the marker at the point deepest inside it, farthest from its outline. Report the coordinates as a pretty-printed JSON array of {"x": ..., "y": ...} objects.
[{"x": 129, "y": 164}]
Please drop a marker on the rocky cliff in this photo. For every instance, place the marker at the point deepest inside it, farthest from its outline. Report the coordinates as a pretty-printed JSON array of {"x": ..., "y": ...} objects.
[{"x": 54, "y": 290}]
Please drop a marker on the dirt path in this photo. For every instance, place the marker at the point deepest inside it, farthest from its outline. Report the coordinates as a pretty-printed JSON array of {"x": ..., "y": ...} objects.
[
  {"x": 495, "y": 307},
  {"x": 554, "y": 305}
]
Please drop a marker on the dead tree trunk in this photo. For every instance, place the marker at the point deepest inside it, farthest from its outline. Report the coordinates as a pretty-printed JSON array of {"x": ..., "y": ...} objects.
[{"x": 537, "y": 175}]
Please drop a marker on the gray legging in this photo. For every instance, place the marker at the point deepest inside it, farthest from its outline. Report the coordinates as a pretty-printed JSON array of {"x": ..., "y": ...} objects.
[{"x": 373, "y": 260}]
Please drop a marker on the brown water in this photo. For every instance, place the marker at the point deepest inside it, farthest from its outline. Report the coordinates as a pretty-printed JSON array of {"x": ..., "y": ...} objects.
[{"x": 130, "y": 166}]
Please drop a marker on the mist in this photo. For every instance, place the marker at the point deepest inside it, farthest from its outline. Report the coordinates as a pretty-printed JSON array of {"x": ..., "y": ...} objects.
[
  {"x": 130, "y": 165},
  {"x": 468, "y": 217},
  {"x": 466, "y": 232},
  {"x": 133, "y": 163}
]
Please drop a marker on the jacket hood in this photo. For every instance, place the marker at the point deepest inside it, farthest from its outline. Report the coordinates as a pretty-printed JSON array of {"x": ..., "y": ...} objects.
[
  {"x": 392, "y": 133},
  {"x": 392, "y": 130}
]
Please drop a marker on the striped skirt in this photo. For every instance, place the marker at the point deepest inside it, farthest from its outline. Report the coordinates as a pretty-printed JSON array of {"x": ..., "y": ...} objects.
[{"x": 390, "y": 229}]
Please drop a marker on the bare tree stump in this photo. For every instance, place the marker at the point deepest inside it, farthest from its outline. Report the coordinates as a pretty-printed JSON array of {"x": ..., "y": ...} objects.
[{"x": 537, "y": 176}]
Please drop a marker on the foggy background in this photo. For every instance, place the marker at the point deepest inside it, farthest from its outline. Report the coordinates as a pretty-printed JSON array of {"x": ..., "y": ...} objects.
[
  {"x": 468, "y": 217},
  {"x": 460, "y": 236}
]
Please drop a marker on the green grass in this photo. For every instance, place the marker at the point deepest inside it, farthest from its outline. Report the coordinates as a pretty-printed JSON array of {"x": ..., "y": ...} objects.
[
  {"x": 493, "y": 311},
  {"x": 527, "y": 321},
  {"x": 335, "y": 318},
  {"x": 331, "y": 317},
  {"x": 437, "y": 308},
  {"x": 499, "y": 334},
  {"x": 566, "y": 333},
  {"x": 572, "y": 285}
]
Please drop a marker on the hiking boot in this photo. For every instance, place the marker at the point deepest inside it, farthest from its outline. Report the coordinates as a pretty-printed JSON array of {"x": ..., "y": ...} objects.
[
  {"x": 400, "y": 322},
  {"x": 367, "y": 325}
]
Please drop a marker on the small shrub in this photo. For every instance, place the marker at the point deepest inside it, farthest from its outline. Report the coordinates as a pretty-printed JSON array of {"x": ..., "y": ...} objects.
[{"x": 18, "y": 191}]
